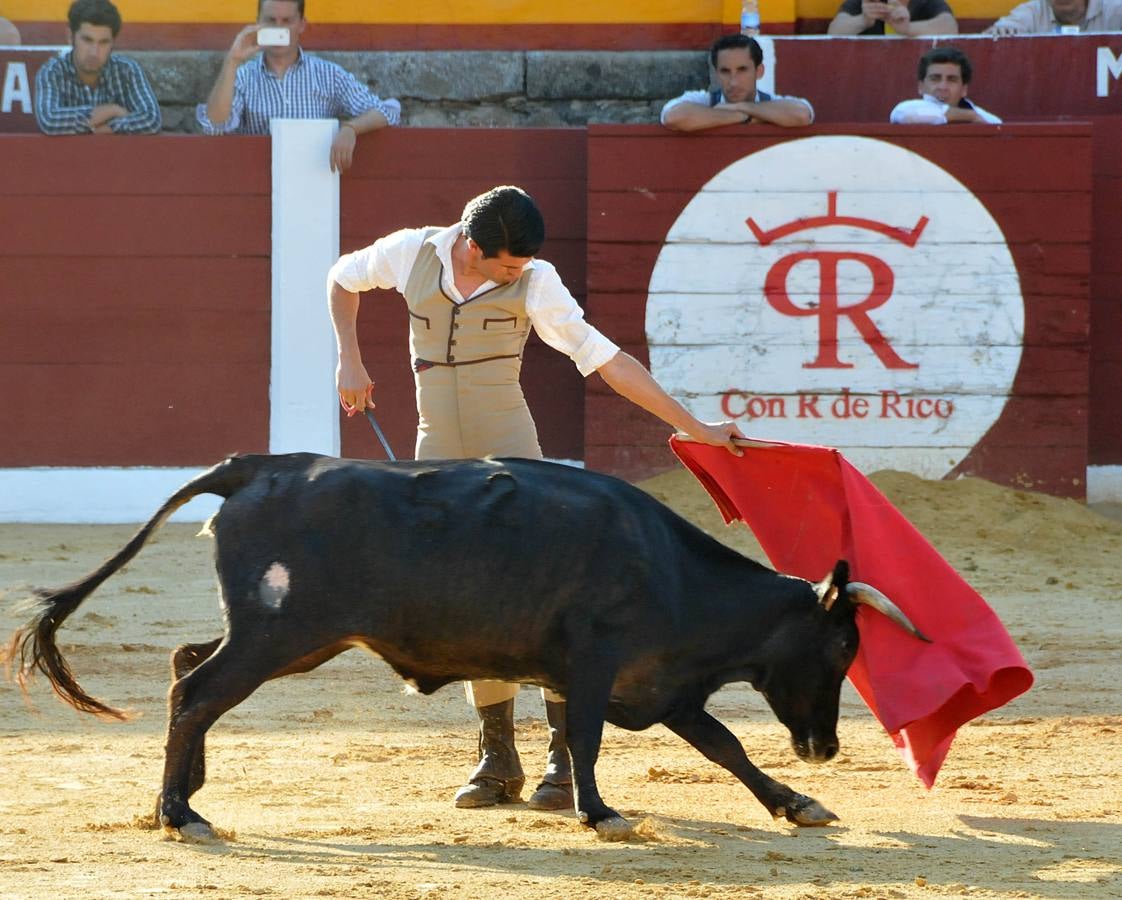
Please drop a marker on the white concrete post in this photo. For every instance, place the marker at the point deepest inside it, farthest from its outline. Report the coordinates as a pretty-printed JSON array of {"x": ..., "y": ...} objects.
[{"x": 304, "y": 412}]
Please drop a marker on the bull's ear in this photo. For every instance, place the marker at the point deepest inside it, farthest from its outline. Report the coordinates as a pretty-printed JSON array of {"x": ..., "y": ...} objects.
[{"x": 830, "y": 587}]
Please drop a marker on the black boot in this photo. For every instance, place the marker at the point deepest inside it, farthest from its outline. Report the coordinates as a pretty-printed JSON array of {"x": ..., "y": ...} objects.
[
  {"x": 498, "y": 778},
  {"x": 556, "y": 789}
]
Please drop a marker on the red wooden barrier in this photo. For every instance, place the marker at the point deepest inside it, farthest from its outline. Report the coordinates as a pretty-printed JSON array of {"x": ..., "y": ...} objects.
[
  {"x": 134, "y": 282},
  {"x": 134, "y": 326}
]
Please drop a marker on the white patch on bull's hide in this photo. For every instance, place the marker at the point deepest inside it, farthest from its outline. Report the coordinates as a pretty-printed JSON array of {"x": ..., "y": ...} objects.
[
  {"x": 208, "y": 527},
  {"x": 410, "y": 688},
  {"x": 274, "y": 585}
]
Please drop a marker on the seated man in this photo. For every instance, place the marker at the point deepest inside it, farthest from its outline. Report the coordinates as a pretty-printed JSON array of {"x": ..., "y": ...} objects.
[
  {"x": 944, "y": 78},
  {"x": 1059, "y": 17},
  {"x": 738, "y": 61},
  {"x": 287, "y": 83},
  {"x": 9, "y": 34},
  {"x": 90, "y": 89},
  {"x": 912, "y": 19}
]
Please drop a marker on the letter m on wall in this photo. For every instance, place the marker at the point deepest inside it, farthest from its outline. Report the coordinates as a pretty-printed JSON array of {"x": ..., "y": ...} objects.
[{"x": 1109, "y": 66}]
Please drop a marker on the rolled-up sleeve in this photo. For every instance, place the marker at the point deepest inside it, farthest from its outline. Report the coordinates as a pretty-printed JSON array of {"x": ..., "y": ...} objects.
[
  {"x": 560, "y": 322},
  {"x": 918, "y": 112},
  {"x": 237, "y": 106},
  {"x": 699, "y": 97},
  {"x": 356, "y": 98},
  {"x": 384, "y": 264},
  {"x": 802, "y": 100}
]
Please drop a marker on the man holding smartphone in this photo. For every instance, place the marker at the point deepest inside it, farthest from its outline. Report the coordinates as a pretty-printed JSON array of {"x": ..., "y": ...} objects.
[{"x": 285, "y": 82}]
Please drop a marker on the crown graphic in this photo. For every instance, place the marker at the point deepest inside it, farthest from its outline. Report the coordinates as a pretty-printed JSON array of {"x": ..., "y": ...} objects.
[{"x": 903, "y": 235}]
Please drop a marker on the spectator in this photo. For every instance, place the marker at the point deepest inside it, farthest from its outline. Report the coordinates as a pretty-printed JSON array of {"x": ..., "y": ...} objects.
[
  {"x": 1059, "y": 16},
  {"x": 944, "y": 78},
  {"x": 288, "y": 83},
  {"x": 913, "y": 19},
  {"x": 738, "y": 62},
  {"x": 9, "y": 34},
  {"x": 90, "y": 89}
]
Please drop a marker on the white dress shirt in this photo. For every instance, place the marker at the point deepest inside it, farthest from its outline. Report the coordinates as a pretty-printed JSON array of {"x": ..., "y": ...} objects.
[
  {"x": 703, "y": 98},
  {"x": 552, "y": 311},
  {"x": 1037, "y": 17},
  {"x": 926, "y": 110}
]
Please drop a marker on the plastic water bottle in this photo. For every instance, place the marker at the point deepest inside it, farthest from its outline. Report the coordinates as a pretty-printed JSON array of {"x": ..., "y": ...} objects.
[{"x": 750, "y": 17}]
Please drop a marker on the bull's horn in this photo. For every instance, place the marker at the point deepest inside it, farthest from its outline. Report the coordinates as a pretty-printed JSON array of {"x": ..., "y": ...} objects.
[{"x": 864, "y": 593}]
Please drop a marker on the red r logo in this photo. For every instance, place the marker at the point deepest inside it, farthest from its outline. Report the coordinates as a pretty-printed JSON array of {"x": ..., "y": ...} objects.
[{"x": 829, "y": 308}]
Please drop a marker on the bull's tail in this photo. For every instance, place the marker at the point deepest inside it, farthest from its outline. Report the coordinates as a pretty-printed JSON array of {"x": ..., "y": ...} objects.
[{"x": 33, "y": 646}]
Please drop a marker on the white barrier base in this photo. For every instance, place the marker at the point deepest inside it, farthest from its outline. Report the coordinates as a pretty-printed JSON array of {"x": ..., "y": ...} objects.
[
  {"x": 104, "y": 496},
  {"x": 101, "y": 496},
  {"x": 1104, "y": 484}
]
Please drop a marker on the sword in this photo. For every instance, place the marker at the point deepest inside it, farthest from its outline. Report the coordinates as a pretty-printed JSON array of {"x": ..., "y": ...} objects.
[
  {"x": 351, "y": 410},
  {"x": 381, "y": 437}
]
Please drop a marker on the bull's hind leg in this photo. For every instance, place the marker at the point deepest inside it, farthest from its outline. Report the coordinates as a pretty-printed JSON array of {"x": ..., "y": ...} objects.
[
  {"x": 185, "y": 659},
  {"x": 720, "y": 745},
  {"x": 223, "y": 680}
]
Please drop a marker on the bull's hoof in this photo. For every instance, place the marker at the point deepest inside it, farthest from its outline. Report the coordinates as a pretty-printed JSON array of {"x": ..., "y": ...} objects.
[
  {"x": 181, "y": 823},
  {"x": 196, "y": 833},
  {"x": 807, "y": 812},
  {"x": 615, "y": 828}
]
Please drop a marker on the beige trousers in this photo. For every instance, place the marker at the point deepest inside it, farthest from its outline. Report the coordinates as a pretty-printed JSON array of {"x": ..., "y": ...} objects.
[{"x": 471, "y": 411}]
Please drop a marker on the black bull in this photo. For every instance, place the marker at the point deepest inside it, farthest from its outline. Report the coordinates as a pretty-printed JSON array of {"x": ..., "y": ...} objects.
[{"x": 508, "y": 569}]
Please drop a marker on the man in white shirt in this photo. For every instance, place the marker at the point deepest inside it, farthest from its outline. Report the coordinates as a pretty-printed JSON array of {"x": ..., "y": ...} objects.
[
  {"x": 738, "y": 61},
  {"x": 1059, "y": 17},
  {"x": 944, "y": 79},
  {"x": 284, "y": 82},
  {"x": 473, "y": 291}
]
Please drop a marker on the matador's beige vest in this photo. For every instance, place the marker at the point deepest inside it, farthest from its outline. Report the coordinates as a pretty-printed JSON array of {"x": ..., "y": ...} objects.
[{"x": 467, "y": 359}]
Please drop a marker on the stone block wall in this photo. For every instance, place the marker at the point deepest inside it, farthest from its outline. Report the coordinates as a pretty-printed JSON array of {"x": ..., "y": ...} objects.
[{"x": 472, "y": 88}]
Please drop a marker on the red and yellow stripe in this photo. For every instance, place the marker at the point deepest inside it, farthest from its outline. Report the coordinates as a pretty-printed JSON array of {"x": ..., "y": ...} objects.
[{"x": 472, "y": 24}]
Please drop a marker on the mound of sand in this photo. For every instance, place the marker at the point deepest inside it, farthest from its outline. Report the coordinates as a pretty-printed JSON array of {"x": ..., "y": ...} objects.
[{"x": 1025, "y": 538}]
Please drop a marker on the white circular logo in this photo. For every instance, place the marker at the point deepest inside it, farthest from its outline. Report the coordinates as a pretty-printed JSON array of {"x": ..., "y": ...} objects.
[{"x": 842, "y": 291}]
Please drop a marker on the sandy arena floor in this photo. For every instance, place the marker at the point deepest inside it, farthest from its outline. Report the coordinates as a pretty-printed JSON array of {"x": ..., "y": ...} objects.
[{"x": 337, "y": 783}]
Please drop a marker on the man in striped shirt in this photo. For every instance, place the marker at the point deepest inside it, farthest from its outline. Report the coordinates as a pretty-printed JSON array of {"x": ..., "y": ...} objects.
[
  {"x": 89, "y": 89},
  {"x": 286, "y": 83}
]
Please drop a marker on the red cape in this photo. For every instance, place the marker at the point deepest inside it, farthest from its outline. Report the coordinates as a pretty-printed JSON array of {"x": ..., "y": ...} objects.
[{"x": 809, "y": 507}]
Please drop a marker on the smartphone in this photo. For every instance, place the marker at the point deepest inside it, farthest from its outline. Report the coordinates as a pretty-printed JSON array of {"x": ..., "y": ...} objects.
[{"x": 273, "y": 37}]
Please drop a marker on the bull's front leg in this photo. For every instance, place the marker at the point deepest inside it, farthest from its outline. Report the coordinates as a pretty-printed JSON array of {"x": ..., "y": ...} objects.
[
  {"x": 720, "y": 745},
  {"x": 590, "y": 688}
]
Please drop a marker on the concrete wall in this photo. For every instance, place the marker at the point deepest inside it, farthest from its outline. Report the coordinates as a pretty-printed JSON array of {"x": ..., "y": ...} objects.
[{"x": 472, "y": 88}]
